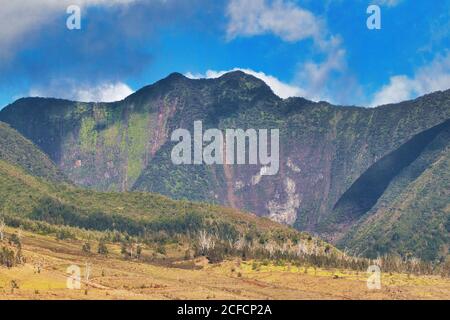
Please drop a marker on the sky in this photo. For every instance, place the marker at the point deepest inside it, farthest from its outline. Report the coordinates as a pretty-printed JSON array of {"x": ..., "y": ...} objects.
[{"x": 320, "y": 50}]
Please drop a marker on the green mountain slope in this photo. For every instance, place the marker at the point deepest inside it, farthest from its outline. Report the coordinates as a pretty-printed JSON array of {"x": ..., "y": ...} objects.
[
  {"x": 25, "y": 196},
  {"x": 33, "y": 190},
  {"x": 15, "y": 149},
  {"x": 367, "y": 189},
  {"x": 412, "y": 217}
]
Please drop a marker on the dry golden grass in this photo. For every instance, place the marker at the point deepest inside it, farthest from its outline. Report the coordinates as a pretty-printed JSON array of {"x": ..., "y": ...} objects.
[{"x": 173, "y": 278}]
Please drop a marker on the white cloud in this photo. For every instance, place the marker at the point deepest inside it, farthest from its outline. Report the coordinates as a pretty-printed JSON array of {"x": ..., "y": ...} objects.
[
  {"x": 310, "y": 83},
  {"x": 107, "y": 92},
  {"x": 399, "y": 89},
  {"x": 281, "y": 89},
  {"x": 429, "y": 78},
  {"x": 315, "y": 77},
  {"x": 104, "y": 92},
  {"x": 282, "y": 18},
  {"x": 288, "y": 21},
  {"x": 19, "y": 19}
]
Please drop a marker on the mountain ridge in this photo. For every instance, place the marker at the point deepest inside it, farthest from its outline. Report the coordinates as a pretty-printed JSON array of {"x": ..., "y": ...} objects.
[
  {"x": 125, "y": 145},
  {"x": 177, "y": 76}
]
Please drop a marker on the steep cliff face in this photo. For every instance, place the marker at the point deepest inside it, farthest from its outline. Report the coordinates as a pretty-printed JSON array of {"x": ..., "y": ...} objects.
[
  {"x": 324, "y": 149},
  {"x": 102, "y": 146}
]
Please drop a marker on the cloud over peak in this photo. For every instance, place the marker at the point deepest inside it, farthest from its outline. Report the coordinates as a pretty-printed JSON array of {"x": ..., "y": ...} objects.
[
  {"x": 291, "y": 23},
  {"x": 103, "y": 92},
  {"x": 281, "y": 89}
]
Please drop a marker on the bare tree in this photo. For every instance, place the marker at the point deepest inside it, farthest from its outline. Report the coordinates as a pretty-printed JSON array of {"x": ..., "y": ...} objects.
[
  {"x": 302, "y": 249},
  {"x": 87, "y": 272},
  {"x": 2, "y": 229},
  {"x": 230, "y": 241},
  {"x": 205, "y": 241},
  {"x": 378, "y": 261},
  {"x": 284, "y": 248},
  {"x": 138, "y": 250},
  {"x": 415, "y": 265},
  {"x": 240, "y": 243},
  {"x": 270, "y": 247},
  {"x": 87, "y": 275}
]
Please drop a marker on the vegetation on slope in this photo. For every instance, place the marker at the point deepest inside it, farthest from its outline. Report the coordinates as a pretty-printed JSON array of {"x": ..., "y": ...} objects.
[
  {"x": 325, "y": 149},
  {"x": 368, "y": 188},
  {"x": 34, "y": 204},
  {"x": 66, "y": 212},
  {"x": 16, "y": 149},
  {"x": 413, "y": 215}
]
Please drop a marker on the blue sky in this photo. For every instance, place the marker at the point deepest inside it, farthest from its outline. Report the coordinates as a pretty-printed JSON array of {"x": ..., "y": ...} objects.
[{"x": 321, "y": 50}]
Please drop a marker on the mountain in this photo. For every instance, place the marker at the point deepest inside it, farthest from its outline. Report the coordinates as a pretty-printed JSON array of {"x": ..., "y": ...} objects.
[
  {"x": 21, "y": 152},
  {"x": 35, "y": 196},
  {"x": 143, "y": 245},
  {"x": 37, "y": 204},
  {"x": 327, "y": 154}
]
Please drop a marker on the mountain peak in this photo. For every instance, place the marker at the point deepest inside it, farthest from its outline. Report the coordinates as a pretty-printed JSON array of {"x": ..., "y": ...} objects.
[
  {"x": 242, "y": 76},
  {"x": 236, "y": 74},
  {"x": 175, "y": 76},
  {"x": 248, "y": 81}
]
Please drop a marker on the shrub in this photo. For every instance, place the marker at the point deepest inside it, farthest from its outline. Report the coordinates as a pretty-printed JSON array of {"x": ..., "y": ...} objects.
[
  {"x": 10, "y": 257},
  {"x": 86, "y": 248},
  {"x": 102, "y": 249},
  {"x": 161, "y": 249},
  {"x": 64, "y": 234}
]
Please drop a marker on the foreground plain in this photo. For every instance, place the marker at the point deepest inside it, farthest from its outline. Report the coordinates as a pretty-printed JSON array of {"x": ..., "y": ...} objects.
[{"x": 171, "y": 276}]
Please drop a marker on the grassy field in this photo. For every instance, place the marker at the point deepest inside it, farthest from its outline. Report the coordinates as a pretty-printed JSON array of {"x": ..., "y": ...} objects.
[{"x": 170, "y": 276}]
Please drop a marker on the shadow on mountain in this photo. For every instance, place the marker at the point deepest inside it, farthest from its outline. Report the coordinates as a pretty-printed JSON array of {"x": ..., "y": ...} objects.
[{"x": 369, "y": 187}]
